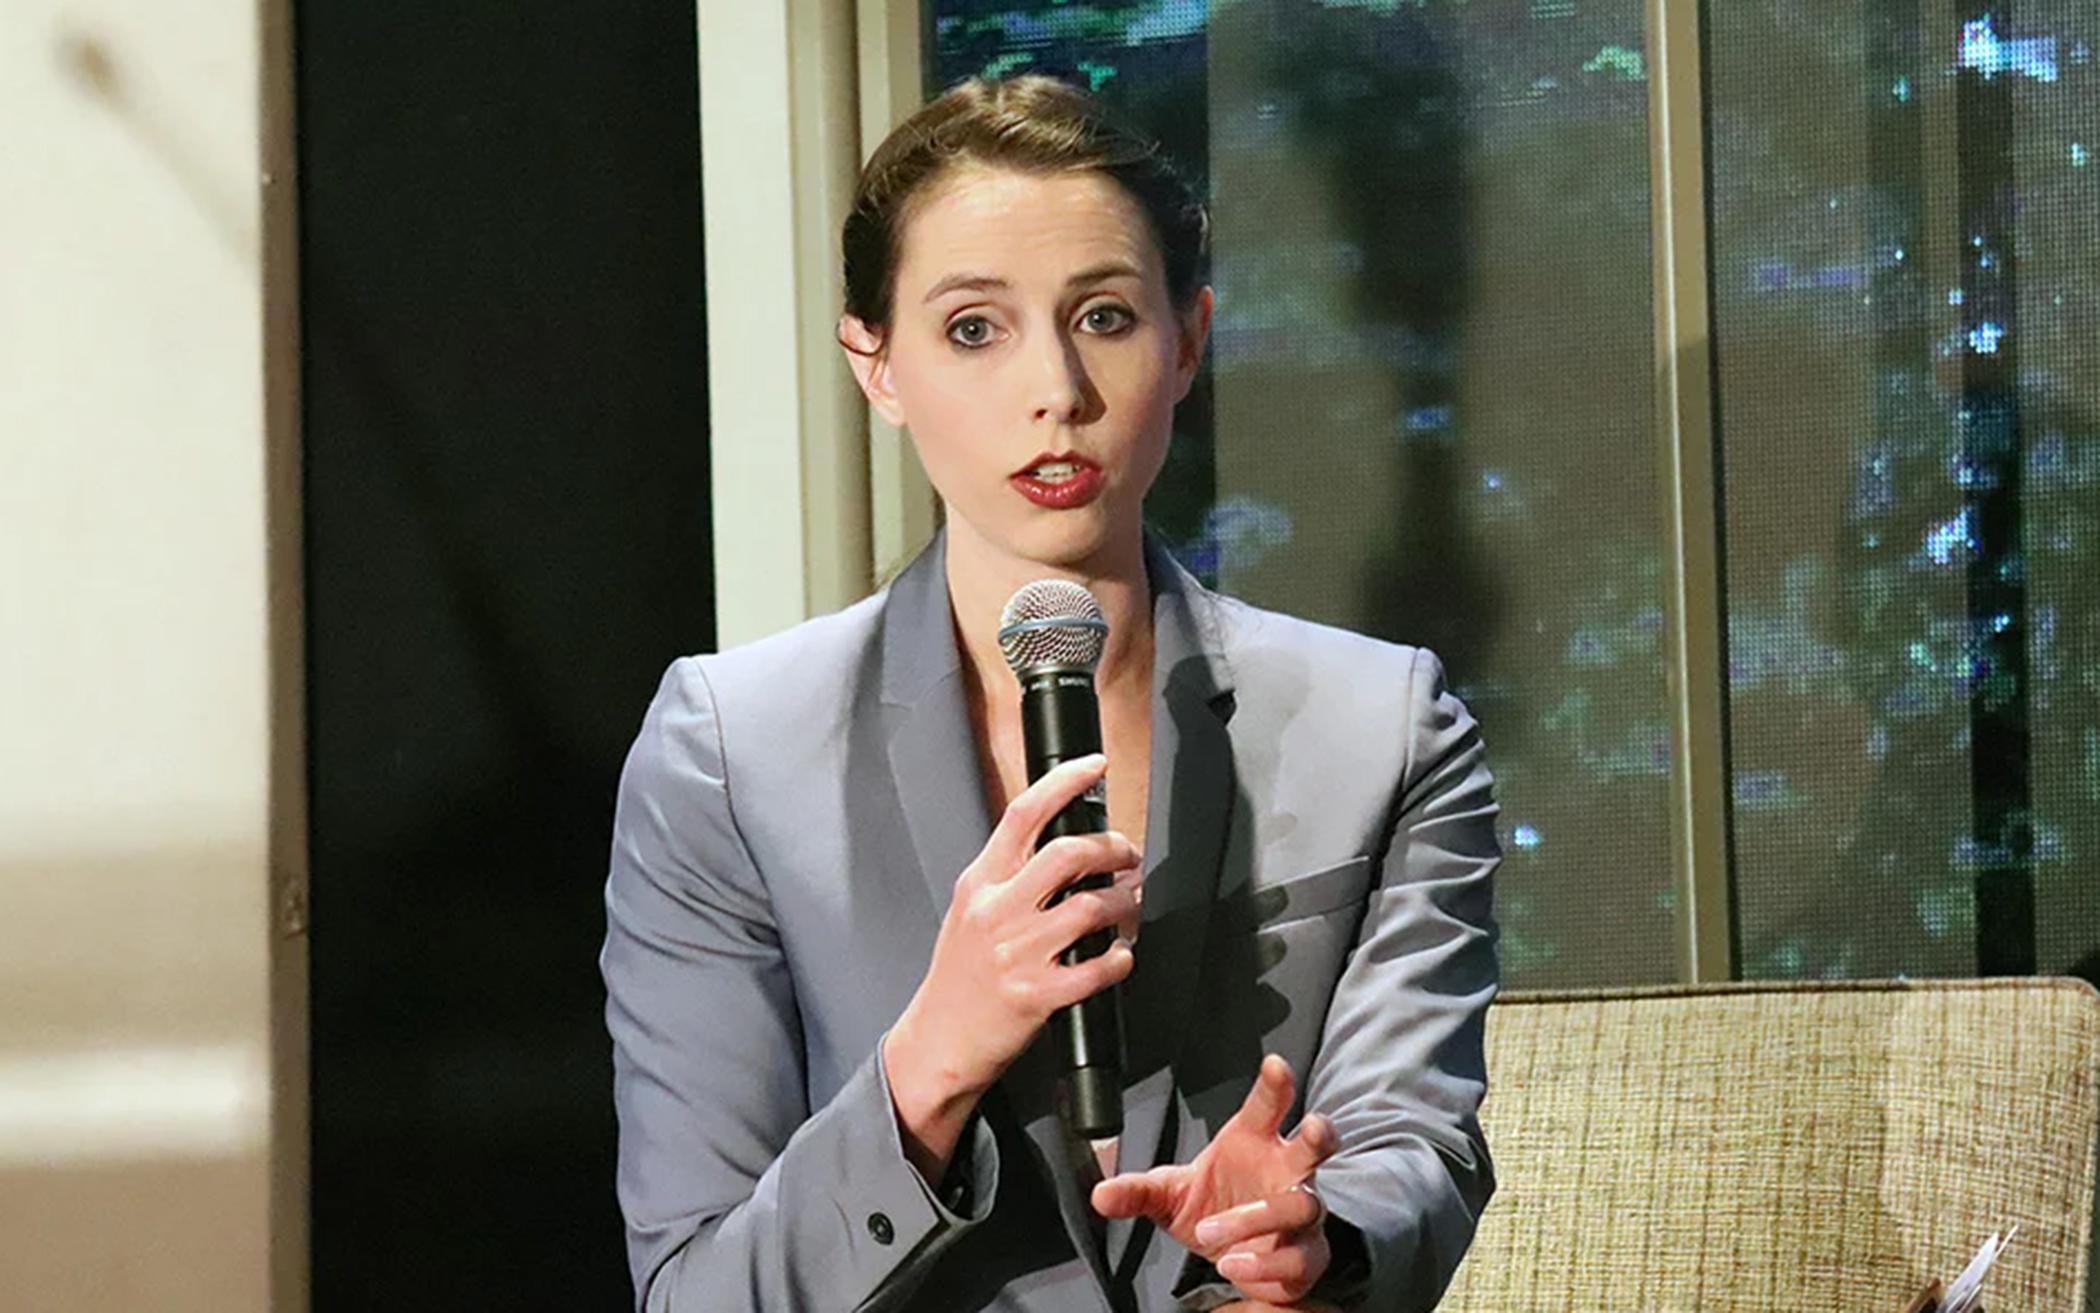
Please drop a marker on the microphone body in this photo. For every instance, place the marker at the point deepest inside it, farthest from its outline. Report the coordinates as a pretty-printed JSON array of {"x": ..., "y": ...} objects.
[
  {"x": 1052, "y": 632},
  {"x": 1061, "y": 720}
]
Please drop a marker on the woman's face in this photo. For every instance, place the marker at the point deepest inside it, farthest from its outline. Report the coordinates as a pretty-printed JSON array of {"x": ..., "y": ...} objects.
[{"x": 1036, "y": 358}]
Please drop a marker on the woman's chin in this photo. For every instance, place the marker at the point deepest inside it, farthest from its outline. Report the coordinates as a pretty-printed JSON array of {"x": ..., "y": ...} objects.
[{"x": 1083, "y": 540}]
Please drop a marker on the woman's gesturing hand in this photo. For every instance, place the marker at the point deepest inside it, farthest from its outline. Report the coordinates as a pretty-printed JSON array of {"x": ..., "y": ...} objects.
[
  {"x": 1242, "y": 1204},
  {"x": 995, "y": 977}
]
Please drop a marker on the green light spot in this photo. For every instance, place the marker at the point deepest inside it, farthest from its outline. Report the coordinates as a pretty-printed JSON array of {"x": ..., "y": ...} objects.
[
  {"x": 1626, "y": 65},
  {"x": 1011, "y": 62}
]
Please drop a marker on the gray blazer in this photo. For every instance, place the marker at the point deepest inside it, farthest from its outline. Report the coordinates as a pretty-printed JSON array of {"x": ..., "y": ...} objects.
[{"x": 792, "y": 818}]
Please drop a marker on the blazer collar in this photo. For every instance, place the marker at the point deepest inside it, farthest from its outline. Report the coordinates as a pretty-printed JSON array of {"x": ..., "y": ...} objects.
[
  {"x": 918, "y": 629},
  {"x": 918, "y": 632},
  {"x": 1192, "y": 802}
]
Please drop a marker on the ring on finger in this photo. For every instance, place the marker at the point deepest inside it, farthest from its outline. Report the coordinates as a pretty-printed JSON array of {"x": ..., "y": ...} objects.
[{"x": 1320, "y": 1219}]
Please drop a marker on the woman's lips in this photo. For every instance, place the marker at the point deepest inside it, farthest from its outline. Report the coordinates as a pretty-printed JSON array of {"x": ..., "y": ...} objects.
[{"x": 1078, "y": 488}]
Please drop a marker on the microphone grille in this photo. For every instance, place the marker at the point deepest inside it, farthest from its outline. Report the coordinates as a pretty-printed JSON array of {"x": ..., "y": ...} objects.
[{"x": 1052, "y": 622}]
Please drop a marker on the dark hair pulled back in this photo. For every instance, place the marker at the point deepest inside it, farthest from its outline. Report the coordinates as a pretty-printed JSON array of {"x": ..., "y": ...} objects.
[{"x": 1029, "y": 124}]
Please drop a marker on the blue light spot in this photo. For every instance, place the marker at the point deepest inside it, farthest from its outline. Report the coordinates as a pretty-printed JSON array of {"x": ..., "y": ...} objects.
[
  {"x": 2000, "y": 623},
  {"x": 2079, "y": 155},
  {"x": 1901, "y": 91},
  {"x": 1236, "y": 534},
  {"x": 1167, "y": 23},
  {"x": 1985, "y": 51},
  {"x": 1985, "y": 337},
  {"x": 1954, "y": 296},
  {"x": 1771, "y": 275},
  {"x": 1491, "y": 480},
  {"x": 1762, "y": 790},
  {"x": 1947, "y": 539},
  {"x": 1526, "y": 837},
  {"x": 1428, "y": 419}
]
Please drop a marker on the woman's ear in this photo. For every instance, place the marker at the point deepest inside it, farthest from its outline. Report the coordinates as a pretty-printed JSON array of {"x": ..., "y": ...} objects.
[
  {"x": 1195, "y": 332},
  {"x": 870, "y": 363}
]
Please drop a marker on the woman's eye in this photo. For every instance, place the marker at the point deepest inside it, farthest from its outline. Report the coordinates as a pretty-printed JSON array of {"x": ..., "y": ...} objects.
[
  {"x": 1107, "y": 319},
  {"x": 971, "y": 331}
]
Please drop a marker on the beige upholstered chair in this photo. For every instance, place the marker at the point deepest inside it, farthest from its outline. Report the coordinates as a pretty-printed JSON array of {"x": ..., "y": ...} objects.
[{"x": 1787, "y": 1148}]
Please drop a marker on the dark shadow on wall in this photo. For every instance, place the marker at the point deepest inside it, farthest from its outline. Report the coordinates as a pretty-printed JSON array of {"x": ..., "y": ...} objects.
[{"x": 1380, "y": 106}]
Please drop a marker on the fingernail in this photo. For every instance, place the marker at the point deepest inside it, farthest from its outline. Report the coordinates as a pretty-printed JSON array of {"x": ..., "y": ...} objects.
[
  {"x": 1207, "y": 1232},
  {"x": 1235, "y": 1266}
]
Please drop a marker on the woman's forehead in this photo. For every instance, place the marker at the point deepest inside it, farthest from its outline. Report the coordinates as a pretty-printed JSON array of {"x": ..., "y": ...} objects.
[{"x": 1024, "y": 228}]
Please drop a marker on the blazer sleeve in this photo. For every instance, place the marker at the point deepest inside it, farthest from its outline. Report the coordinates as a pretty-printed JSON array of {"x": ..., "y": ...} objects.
[
  {"x": 737, "y": 1195},
  {"x": 1401, "y": 1068}
]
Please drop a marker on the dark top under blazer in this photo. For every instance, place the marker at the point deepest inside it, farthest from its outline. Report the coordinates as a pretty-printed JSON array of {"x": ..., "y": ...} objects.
[{"x": 792, "y": 818}]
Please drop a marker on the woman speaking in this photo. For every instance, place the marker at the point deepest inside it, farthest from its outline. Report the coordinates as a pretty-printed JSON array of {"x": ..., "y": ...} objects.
[{"x": 833, "y": 940}]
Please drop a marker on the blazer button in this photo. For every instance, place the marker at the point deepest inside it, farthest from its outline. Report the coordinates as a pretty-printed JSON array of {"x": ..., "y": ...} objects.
[{"x": 879, "y": 1227}]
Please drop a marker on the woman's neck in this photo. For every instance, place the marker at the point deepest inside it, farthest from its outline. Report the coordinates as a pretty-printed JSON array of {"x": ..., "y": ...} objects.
[{"x": 982, "y": 578}]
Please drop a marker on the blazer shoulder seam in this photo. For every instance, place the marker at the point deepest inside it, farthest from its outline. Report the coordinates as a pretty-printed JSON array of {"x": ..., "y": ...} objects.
[
  {"x": 1414, "y": 681},
  {"x": 736, "y": 827}
]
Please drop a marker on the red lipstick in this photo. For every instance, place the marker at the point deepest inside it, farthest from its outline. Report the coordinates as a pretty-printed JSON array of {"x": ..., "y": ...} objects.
[{"x": 1059, "y": 483}]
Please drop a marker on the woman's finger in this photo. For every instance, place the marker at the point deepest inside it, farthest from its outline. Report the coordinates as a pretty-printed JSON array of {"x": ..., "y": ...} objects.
[
  {"x": 1262, "y": 1112},
  {"x": 1086, "y": 911},
  {"x": 1313, "y": 1143},
  {"x": 1062, "y": 861},
  {"x": 1139, "y": 1194},
  {"x": 1134, "y": 880},
  {"x": 1013, "y": 838},
  {"x": 1086, "y": 978},
  {"x": 1289, "y": 1265},
  {"x": 1281, "y": 1213}
]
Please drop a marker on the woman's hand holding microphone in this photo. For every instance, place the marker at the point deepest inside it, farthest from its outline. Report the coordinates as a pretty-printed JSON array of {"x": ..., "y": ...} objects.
[{"x": 996, "y": 977}]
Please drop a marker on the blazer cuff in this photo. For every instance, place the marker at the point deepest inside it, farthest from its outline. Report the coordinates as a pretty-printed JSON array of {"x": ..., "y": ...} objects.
[
  {"x": 970, "y": 1185},
  {"x": 895, "y": 1225},
  {"x": 1414, "y": 1223}
]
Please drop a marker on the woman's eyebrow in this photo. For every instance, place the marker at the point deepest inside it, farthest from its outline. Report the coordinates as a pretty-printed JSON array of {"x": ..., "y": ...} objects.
[{"x": 989, "y": 282}]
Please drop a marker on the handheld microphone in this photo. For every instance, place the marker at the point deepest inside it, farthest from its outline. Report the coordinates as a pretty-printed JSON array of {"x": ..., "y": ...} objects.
[{"x": 1052, "y": 632}]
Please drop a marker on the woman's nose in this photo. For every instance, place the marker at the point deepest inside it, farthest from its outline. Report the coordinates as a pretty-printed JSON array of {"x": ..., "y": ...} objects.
[{"x": 1062, "y": 387}]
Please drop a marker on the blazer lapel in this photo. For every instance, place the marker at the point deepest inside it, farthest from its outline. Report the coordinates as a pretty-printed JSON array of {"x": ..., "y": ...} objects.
[{"x": 933, "y": 754}]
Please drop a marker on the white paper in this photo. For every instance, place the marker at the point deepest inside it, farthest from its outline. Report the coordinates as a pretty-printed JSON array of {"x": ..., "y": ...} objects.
[{"x": 1962, "y": 1294}]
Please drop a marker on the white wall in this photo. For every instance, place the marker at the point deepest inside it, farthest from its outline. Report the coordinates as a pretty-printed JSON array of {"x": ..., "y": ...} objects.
[{"x": 134, "y": 752}]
